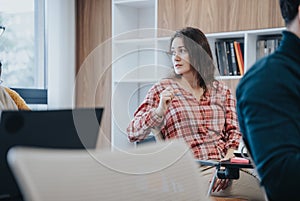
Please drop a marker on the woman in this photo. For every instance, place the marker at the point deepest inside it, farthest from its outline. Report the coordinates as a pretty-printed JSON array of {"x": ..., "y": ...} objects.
[{"x": 192, "y": 105}]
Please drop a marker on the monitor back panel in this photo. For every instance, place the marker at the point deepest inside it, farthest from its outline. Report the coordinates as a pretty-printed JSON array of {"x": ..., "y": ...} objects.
[{"x": 70, "y": 129}]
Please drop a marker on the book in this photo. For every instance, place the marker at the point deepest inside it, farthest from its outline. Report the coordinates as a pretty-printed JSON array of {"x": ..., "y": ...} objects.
[
  {"x": 233, "y": 58},
  {"x": 224, "y": 58},
  {"x": 239, "y": 56},
  {"x": 217, "y": 52},
  {"x": 266, "y": 45},
  {"x": 220, "y": 53},
  {"x": 229, "y": 58},
  {"x": 260, "y": 48},
  {"x": 270, "y": 46}
]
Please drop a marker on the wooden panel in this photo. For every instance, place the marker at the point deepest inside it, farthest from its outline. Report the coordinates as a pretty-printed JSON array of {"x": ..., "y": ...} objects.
[
  {"x": 192, "y": 12},
  {"x": 166, "y": 14},
  {"x": 219, "y": 15},
  {"x": 232, "y": 84},
  {"x": 93, "y": 26},
  {"x": 93, "y": 60}
]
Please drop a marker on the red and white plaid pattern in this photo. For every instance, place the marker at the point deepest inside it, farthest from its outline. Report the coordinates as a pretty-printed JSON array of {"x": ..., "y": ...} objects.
[{"x": 209, "y": 126}]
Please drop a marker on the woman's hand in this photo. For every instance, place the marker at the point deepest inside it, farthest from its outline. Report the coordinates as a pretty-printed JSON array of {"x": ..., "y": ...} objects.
[
  {"x": 166, "y": 97},
  {"x": 229, "y": 155},
  {"x": 220, "y": 184}
]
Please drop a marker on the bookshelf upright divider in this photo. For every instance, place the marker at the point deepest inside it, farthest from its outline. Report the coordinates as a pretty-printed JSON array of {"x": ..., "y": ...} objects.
[{"x": 135, "y": 59}]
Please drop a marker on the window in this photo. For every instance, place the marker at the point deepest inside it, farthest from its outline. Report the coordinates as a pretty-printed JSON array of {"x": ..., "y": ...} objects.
[{"x": 22, "y": 45}]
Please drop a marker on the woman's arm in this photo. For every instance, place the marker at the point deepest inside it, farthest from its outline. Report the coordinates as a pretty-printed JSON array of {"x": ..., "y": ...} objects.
[
  {"x": 145, "y": 117},
  {"x": 232, "y": 130}
]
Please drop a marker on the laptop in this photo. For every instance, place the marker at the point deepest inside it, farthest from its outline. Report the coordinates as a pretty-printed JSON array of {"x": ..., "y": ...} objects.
[{"x": 64, "y": 129}]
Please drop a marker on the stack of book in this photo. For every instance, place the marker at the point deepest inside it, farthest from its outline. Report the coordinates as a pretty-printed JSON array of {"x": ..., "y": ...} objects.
[
  {"x": 267, "y": 45},
  {"x": 230, "y": 57}
]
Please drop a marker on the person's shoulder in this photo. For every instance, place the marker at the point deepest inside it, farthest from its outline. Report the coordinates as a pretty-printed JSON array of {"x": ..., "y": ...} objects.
[
  {"x": 19, "y": 101},
  {"x": 265, "y": 68},
  {"x": 220, "y": 86},
  {"x": 162, "y": 84},
  {"x": 165, "y": 82},
  {"x": 260, "y": 76},
  {"x": 11, "y": 92}
]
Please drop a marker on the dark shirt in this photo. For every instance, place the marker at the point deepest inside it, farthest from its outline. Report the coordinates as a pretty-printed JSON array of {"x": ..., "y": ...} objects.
[{"x": 268, "y": 106}]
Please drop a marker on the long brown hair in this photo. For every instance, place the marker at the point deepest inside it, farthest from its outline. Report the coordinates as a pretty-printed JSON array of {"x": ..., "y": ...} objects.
[{"x": 200, "y": 54}]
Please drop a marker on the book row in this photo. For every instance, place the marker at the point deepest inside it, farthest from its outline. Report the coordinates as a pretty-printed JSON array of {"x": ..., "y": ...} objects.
[
  {"x": 267, "y": 45},
  {"x": 230, "y": 57},
  {"x": 230, "y": 53}
]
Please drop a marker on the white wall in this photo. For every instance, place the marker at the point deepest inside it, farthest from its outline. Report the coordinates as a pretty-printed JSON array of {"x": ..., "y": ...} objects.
[{"x": 60, "y": 40}]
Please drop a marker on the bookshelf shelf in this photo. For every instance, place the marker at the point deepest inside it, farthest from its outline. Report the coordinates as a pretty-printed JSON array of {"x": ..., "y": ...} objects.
[
  {"x": 134, "y": 41},
  {"x": 135, "y": 3},
  {"x": 140, "y": 81},
  {"x": 224, "y": 78},
  {"x": 215, "y": 36}
]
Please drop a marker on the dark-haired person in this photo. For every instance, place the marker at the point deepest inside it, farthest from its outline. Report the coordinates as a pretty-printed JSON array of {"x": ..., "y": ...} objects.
[
  {"x": 192, "y": 105},
  {"x": 268, "y": 105}
]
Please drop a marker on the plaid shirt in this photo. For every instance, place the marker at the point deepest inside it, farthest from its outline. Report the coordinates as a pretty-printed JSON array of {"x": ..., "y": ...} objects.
[{"x": 209, "y": 126}]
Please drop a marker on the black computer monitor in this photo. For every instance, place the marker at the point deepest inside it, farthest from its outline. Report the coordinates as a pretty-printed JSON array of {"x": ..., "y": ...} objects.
[{"x": 68, "y": 128}]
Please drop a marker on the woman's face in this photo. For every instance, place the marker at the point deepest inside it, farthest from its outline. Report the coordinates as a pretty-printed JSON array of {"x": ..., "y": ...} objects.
[{"x": 180, "y": 57}]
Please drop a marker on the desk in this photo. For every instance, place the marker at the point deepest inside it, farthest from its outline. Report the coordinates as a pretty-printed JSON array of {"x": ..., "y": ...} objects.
[{"x": 230, "y": 171}]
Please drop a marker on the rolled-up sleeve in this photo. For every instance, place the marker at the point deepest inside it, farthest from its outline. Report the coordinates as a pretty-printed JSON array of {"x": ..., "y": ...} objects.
[
  {"x": 145, "y": 117},
  {"x": 232, "y": 130}
]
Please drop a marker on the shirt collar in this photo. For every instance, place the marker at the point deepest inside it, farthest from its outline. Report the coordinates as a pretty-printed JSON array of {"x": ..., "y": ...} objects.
[{"x": 290, "y": 45}]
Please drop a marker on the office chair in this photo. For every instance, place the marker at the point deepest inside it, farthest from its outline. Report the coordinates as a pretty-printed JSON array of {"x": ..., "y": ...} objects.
[{"x": 158, "y": 171}]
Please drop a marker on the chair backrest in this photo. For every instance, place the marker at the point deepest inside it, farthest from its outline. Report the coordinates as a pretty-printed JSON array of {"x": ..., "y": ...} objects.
[
  {"x": 33, "y": 96},
  {"x": 160, "y": 171}
]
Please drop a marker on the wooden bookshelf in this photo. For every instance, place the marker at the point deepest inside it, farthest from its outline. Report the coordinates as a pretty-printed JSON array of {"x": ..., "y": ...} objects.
[
  {"x": 101, "y": 20},
  {"x": 213, "y": 16}
]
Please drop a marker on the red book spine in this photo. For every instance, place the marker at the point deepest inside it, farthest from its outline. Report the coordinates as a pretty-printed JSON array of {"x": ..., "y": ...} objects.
[{"x": 239, "y": 56}]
